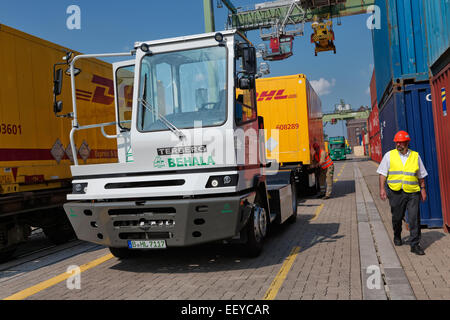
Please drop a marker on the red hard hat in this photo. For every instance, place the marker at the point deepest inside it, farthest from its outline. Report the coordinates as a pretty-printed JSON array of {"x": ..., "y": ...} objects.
[
  {"x": 402, "y": 136},
  {"x": 315, "y": 145}
]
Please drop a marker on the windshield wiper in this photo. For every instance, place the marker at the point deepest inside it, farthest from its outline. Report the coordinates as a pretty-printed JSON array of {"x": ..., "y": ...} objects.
[{"x": 163, "y": 119}]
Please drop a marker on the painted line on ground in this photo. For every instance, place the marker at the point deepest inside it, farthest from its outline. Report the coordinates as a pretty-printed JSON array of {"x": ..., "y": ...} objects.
[
  {"x": 281, "y": 275},
  {"x": 55, "y": 280},
  {"x": 318, "y": 210},
  {"x": 340, "y": 172}
]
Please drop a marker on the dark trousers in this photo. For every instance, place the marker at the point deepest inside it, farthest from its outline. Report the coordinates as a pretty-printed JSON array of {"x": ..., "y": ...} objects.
[{"x": 401, "y": 201}]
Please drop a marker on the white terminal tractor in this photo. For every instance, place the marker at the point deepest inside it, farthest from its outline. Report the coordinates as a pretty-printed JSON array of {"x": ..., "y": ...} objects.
[{"x": 191, "y": 156}]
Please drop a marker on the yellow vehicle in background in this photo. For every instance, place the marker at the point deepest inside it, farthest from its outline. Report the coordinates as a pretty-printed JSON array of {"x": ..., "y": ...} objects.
[
  {"x": 292, "y": 113},
  {"x": 327, "y": 148},
  {"x": 35, "y": 154}
]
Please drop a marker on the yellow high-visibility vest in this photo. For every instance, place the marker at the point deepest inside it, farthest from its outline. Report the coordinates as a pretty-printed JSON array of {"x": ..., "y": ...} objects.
[{"x": 403, "y": 176}]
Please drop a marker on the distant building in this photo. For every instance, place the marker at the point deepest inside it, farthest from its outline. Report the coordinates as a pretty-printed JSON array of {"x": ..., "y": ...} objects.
[{"x": 356, "y": 129}]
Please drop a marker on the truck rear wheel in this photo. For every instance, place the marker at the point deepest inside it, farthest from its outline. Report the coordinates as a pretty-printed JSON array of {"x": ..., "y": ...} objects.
[
  {"x": 293, "y": 218},
  {"x": 256, "y": 231}
]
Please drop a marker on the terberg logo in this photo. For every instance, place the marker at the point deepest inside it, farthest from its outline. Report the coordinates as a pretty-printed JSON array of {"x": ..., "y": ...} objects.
[
  {"x": 99, "y": 95},
  {"x": 274, "y": 94}
]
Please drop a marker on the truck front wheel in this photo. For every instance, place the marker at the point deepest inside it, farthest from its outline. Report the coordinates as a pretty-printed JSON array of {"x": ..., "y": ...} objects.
[{"x": 256, "y": 231}]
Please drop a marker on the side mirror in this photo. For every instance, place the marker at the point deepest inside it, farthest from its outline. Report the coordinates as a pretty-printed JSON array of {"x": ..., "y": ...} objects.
[
  {"x": 249, "y": 60},
  {"x": 246, "y": 83},
  {"x": 57, "y": 82}
]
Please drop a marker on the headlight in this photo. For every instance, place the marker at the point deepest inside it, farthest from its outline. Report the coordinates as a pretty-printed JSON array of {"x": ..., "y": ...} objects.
[
  {"x": 79, "y": 188},
  {"x": 214, "y": 183},
  {"x": 229, "y": 180}
]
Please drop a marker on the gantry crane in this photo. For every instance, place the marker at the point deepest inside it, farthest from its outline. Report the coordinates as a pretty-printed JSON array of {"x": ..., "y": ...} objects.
[
  {"x": 281, "y": 21},
  {"x": 343, "y": 111}
]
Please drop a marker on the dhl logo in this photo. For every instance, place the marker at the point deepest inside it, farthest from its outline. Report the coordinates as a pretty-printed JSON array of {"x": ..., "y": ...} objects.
[
  {"x": 99, "y": 95},
  {"x": 274, "y": 94}
]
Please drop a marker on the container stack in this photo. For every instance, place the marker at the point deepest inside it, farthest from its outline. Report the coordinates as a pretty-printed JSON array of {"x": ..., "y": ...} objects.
[
  {"x": 373, "y": 124},
  {"x": 402, "y": 73},
  {"x": 437, "y": 15}
]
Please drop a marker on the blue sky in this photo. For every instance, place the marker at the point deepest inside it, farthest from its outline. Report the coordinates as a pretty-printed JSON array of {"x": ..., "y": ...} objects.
[{"x": 114, "y": 26}]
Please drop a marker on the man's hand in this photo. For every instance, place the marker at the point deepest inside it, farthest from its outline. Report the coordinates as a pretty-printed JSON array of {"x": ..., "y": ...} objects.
[
  {"x": 383, "y": 195},
  {"x": 382, "y": 181},
  {"x": 423, "y": 195}
]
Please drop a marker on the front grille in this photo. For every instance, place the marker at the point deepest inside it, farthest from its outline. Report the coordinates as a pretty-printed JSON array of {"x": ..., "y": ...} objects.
[
  {"x": 137, "y": 211},
  {"x": 145, "y": 235},
  {"x": 144, "y": 223},
  {"x": 145, "y": 184}
]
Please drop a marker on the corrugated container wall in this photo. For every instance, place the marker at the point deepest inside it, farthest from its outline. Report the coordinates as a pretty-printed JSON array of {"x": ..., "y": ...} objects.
[
  {"x": 375, "y": 148},
  {"x": 440, "y": 85},
  {"x": 399, "y": 44},
  {"x": 437, "y": 16},
  {"x": 411, "y": 110},
  {"x": 373, "y": 121}
]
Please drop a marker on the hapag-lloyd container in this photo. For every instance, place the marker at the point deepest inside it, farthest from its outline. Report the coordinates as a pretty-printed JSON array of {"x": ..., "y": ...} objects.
[
  {"x": 440, "y": 88},
  {"x": 437, "y": 25},
  {"x": 411, "y": 110},
  {"x": 399, "y": 44}
]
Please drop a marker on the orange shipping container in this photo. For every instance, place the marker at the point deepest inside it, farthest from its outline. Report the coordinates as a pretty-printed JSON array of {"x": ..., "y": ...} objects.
[
  {"x": 35, "y": 154},
  {"x": 290, "y": 105},
  {"x": 34, "y": 143}
]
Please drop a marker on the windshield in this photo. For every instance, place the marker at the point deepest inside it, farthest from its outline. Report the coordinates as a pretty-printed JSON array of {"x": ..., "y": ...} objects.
[
  {"x": 337, "y": 146},
  {"x": 181, "y": 88}
]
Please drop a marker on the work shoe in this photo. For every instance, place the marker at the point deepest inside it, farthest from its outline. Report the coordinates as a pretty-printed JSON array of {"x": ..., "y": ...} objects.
[
  {"x": 398, "y": 241},
  {"x": 417, "y": 249},
  {"x": 326, "y": 197}
]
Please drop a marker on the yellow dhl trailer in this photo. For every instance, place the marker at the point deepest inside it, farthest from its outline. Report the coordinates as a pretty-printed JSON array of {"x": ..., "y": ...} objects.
[
  {"x": 290, "y": 105},
  {"x": 35, "y": 155}
]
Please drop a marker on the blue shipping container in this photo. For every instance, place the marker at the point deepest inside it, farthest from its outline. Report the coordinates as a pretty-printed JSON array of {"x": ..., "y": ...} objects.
[
  {"x": 437, "y": 25},
  {"x": 399, "y": 46},
  {"x": 411, "y": 110}
]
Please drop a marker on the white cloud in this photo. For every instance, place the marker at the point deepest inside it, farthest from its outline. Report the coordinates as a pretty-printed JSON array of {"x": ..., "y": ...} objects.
[{"x": 322, "y": 86}]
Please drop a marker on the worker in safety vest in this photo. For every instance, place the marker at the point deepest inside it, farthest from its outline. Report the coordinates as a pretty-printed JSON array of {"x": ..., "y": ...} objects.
[
  {"x": 323, "y": 161},
  {"x": 405, "y": 174}
]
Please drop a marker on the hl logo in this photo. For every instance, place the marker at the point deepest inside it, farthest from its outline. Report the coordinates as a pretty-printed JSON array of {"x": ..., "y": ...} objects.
[
  {"x": 274, "y": 94},
  {"x": 100, "y": 95}
]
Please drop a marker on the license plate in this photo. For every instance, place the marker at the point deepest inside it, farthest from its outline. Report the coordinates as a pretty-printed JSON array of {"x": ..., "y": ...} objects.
[{"x": 147, "y": 244}]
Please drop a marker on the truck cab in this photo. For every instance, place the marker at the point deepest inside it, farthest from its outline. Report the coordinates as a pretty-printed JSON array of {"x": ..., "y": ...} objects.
[
  {"x": 337, "y": 148},
  {"x": 191, "y": 157}
]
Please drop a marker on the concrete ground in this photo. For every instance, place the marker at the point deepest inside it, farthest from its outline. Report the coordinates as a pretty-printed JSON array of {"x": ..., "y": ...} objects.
[
  {"x": 429, "y": 275},
  {"x": 338, "y": 249}
]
